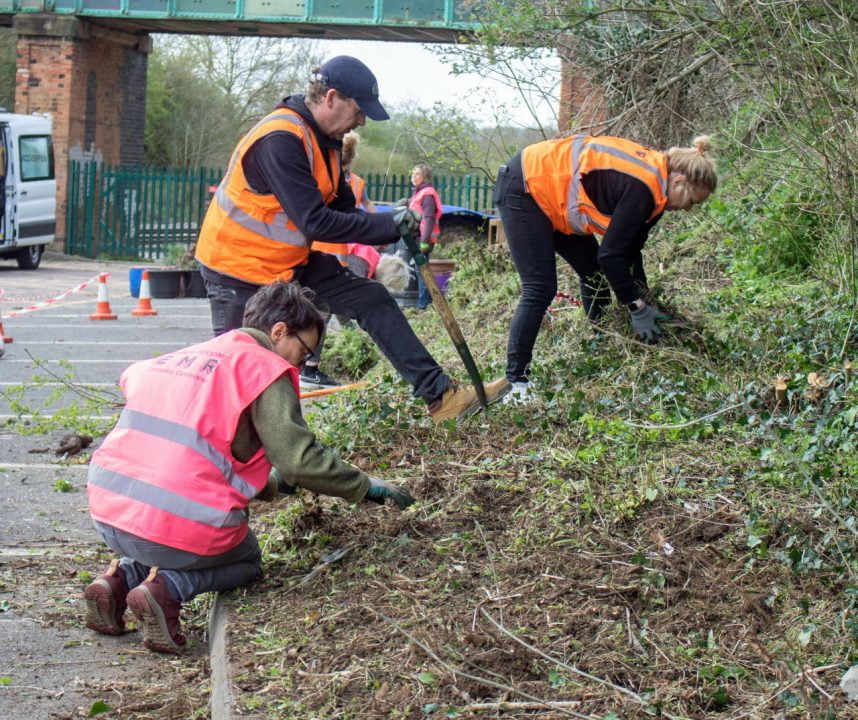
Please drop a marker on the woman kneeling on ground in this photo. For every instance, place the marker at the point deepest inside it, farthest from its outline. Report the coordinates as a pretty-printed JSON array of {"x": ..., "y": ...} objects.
[
  {"x": 204, "y": 431},
  {"x": 556, "y": 196}
]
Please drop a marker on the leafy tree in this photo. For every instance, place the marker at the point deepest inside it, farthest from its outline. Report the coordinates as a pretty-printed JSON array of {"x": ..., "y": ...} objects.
[
  {"x": 8, "y": 68},
  {"x": 253, "y": 73},
  {"x": 204, "y": 93},
  {"x": 779, "y": 79},
  {"x": 189, "y": 121}
]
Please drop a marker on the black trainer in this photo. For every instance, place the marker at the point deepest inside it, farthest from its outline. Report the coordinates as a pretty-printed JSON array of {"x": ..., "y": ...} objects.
[{"x": 311, "y": 378}]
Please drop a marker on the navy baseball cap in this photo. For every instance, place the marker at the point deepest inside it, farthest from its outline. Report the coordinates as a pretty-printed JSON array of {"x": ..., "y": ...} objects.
[{"x": 353, "y": 79}]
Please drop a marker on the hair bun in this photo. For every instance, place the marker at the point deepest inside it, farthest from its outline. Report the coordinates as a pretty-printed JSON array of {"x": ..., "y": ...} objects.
[{"x": 702, "y": 144}]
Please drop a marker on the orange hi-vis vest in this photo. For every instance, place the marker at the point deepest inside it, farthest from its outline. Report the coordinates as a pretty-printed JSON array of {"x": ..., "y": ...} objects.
[
  {"x": 166, "y": 472},
  {"x": 358, "y": 186},
  {"x": 416, "y": 203},
  {"x": 341, "y": 250},
  {"x": 553, "y": 170},
  {"x": 247, "y": 235},
  {"x": 345, "y": 251}
]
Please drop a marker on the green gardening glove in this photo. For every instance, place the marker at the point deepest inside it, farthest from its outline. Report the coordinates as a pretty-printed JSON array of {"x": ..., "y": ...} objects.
[{"x": 425, "y": 247}]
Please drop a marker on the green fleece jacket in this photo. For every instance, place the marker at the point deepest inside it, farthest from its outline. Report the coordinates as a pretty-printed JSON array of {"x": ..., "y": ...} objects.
[{"x": 274, "y": 421}]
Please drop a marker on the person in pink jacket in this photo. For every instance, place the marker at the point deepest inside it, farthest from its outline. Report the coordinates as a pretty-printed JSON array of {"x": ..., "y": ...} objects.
[
  {"x": 426, "y": 201},
  {"x": 204, "y": 431}
]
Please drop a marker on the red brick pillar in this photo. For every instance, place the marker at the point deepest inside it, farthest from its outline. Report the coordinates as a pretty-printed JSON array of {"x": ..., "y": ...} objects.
[
  {"x": 583, "y": 107},
  {"x": 92, "y": 82}
]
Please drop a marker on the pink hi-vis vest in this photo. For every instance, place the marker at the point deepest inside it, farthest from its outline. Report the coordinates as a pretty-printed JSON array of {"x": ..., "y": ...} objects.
[
  {"x": 368, "y": 254},
  {"x": 166, "y": 472},
  {"x": 416, "y": 203}
]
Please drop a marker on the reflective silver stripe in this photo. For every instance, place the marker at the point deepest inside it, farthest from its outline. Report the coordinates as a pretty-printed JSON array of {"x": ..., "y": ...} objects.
[
  {"x": 652, "y": 169},
  {"x": 163, "y": 499},
  {"x": 273, "y": 118},
  {"x": 189, "y": 438},
  {"x": 577, "y": 219},
  {"x": 275, "y": 230}
]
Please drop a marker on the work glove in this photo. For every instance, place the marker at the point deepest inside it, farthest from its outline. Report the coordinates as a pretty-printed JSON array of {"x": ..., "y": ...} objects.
[
  {"x": 402, "y": 202},
  {"x": 407, "y": 221},
  {"x": 645, "y": 322},
  {"x": 379, "y": 491},
  {"x": 276, "y": 485},
  {"x": 425, "y": 247}
]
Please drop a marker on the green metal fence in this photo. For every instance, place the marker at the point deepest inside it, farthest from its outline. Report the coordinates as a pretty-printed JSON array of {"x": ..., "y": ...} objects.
[
  {"x": 468, "y": 191},
  {"x": 134, "y": 211}
]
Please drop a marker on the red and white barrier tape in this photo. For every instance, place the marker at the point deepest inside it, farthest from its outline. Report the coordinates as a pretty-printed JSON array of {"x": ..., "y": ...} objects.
[{"x": 51, "y": 301}]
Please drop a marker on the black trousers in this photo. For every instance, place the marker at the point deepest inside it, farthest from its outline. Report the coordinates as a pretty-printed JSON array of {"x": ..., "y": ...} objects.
[
  {"x": 534, "y": 244},
  {"x": 342, "y": 292}
]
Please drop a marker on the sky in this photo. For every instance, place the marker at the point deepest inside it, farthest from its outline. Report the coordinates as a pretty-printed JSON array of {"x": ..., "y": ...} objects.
[{"x": 409, "y": 72}]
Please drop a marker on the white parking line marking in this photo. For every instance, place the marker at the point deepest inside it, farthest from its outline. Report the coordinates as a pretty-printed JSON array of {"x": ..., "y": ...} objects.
[
  {"x": 50, "y": 417},
  {"x": 58, "y": 384},
  {"x": 38, "y": 466},
  {"x": 98, "y": 342},
  {"x": 72, "y": 361}
]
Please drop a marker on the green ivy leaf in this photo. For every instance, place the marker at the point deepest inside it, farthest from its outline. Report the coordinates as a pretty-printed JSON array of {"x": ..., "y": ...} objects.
[
  {"x": 556, "y": 679},
  {"x": 427, "y": 678},
  {"x": 98, "y": 707}
]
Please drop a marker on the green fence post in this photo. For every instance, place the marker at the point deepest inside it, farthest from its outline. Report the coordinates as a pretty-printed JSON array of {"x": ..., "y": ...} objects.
[
  {"x": 71, "y": 206},
  {"x": 202, "y": 205},
  {"x": 89, "y": 211}
]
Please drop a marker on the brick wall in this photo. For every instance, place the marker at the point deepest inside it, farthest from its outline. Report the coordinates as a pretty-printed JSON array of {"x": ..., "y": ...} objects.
[
  {"x": 582, "y": 104},
  {"x": 93, "y": 83}
]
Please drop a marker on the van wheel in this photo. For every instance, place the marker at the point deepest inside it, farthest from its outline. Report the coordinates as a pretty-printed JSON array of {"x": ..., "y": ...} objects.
[{"x": 30, "y": 257}]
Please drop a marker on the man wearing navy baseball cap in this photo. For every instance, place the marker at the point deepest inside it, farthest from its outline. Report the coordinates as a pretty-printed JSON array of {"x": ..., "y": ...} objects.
[
  {"x": 354, "y": 80},
  {"x": 284, "y": 197}
]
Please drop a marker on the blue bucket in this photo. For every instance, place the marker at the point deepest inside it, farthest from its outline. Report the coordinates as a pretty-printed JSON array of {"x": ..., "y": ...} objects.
[{"x": 135, "y": 277}]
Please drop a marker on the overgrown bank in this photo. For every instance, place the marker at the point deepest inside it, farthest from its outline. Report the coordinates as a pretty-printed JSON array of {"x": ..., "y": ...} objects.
[{"x": 659, "y": 520}]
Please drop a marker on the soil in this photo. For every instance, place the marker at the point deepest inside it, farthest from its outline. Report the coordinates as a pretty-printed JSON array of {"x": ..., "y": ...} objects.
[{"x": 665, "y": 605}]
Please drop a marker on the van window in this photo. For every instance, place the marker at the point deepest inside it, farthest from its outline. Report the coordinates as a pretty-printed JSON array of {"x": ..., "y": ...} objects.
[{"x": 37, "y": 157}]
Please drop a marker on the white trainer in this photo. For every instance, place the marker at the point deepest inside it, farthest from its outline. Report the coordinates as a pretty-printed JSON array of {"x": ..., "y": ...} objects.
[{"x": 519, "y": 395}]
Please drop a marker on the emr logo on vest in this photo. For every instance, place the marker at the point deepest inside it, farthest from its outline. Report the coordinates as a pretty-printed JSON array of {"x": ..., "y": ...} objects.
[{"x": 182, "y": 360}]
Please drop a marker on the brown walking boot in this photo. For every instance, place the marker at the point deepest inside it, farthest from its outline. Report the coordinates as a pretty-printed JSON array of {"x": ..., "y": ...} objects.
[
  {"x": 461, "y": 401},
  {"x": 157, "y": 613},
  {"x": 106, "y": 601}
]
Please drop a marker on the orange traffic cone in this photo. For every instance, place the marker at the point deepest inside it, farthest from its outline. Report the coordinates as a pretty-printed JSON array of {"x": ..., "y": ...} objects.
[
  {"x": 144, "y": 303},
  {"x": 4, "y": 338},
  {"x": 102, "y": 308}
]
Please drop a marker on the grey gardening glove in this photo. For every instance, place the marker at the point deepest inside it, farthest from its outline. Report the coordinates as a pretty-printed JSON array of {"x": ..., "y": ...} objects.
[
  {"x": 407, "y": 221},
  {"x": 402, "y": 202},
  {"x": 645, "y": 322},
  {"x": 277, "y": 484},
  {"x": 379, "y": 491}
]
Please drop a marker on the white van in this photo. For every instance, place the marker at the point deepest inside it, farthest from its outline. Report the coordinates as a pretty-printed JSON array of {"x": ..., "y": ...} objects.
[{"x": 28, "y": 188}]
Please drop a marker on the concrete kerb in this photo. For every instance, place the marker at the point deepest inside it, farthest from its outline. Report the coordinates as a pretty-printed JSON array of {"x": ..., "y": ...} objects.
[{"x": 222, "y": 700}]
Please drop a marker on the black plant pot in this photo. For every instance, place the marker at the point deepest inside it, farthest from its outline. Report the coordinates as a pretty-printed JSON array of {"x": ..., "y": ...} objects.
[{"x": 166, "y": 282}]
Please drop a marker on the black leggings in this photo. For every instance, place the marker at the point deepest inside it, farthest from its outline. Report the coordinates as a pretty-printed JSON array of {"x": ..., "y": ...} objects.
[{"x": 533, "y": 243}]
